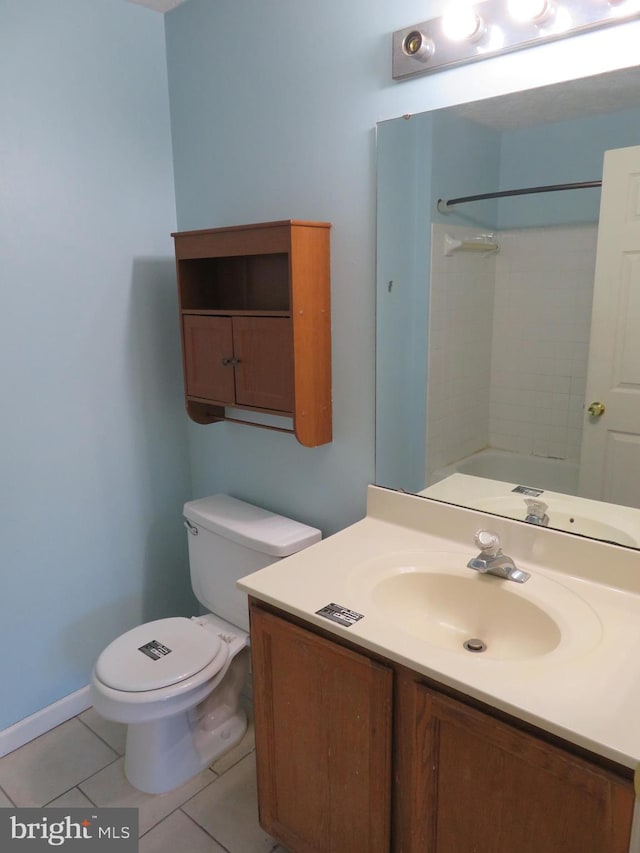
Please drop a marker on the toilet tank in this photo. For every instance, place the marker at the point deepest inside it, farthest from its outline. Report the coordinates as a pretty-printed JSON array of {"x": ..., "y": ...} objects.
[{"x": 229, "y": 539}]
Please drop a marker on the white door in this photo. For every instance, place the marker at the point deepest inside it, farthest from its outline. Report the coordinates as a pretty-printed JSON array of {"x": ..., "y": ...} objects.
[{"x": 610, "y": 457}]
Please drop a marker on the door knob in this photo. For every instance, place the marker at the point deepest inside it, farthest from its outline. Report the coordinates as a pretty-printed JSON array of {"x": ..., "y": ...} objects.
[{"x": 596, "y": 409}]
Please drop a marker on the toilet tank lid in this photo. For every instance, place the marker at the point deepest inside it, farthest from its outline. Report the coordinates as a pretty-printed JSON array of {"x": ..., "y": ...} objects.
[{"x": 251, "y": 526}]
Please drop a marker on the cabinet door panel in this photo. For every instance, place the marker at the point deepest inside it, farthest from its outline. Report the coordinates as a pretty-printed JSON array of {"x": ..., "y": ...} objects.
[
  {"x": 494, "y": 789},
  {"x": 323, "y": 740},
  {"x": 207, "y": 341},
  {"x": 264, "y": 375}
]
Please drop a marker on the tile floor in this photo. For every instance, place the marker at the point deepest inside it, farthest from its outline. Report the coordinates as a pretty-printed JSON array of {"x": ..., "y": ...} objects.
[{"x": 80, "y": 763}]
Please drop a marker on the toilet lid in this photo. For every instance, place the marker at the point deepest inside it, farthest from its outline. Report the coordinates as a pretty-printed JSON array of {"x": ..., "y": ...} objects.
[{"x": 157, "y": 654}]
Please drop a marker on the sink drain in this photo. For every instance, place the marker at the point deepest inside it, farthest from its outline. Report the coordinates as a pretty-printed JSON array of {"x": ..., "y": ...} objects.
[{"x": 475, "y": 645}]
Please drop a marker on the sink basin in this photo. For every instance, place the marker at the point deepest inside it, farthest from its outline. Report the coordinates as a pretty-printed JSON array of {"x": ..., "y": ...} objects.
[
  {"x": 435, "y": 598},
  {"x": 562, "y": 517},
  {"x": 448, "y": 610}
]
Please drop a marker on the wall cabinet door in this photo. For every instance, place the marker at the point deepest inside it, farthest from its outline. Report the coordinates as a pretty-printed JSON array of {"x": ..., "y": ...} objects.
[
  {"x": 243, "y": 361},
  {"x": 263, "y": 347},
  {"x": 208, "y": 343},
  {"x": 323, "y": 740},
  {"x": 473, "y": 784}
]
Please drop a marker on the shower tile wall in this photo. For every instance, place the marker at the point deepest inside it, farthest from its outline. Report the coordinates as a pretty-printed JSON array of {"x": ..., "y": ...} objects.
[
  {"x": 460, "y": 326},
  {"x": 508, "y": 343},
  {"x": 542, "y": 318}
]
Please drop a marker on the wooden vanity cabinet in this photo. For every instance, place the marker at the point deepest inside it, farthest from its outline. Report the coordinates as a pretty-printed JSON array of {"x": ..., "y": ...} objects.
[
  {"x": 334, "y": 764},
  {"x": 471, "y": 783},
  {"x": 256, "y": 324},
  {"x": 323, "y": 740}
]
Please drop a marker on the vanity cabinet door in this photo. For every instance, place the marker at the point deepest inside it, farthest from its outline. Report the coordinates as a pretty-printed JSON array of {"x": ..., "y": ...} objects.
[
  {"x": 323, "y": 740},
  {"x": 474, "y": 784}
]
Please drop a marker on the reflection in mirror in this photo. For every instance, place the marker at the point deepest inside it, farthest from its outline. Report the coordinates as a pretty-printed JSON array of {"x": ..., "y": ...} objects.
[{"x": 503, "y": 322}]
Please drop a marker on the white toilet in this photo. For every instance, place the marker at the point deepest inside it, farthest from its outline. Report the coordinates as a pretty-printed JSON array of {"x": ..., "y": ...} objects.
[{"x": 177, "y": 682}]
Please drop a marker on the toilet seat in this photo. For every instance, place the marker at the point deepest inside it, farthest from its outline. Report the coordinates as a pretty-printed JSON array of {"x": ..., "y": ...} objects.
[
  {"x": 143, "y": 706},
  {"x": 160, "y": 654}
]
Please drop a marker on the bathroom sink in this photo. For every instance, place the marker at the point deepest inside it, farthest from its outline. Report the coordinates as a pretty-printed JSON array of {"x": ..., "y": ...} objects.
[
  {"x": 438, "y": 600},
  {"x": 449, "y": 610},
  {"x": 562, "y": 517}
]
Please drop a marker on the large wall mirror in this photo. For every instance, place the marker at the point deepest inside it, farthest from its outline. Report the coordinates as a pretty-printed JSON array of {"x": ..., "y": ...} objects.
[{"x": 508, "y": 327}]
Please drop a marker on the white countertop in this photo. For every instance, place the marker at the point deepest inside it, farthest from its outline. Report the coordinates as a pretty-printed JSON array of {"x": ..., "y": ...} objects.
[
  {"x": 611, "y": 523},
  {"x": 589, "y": 696}
]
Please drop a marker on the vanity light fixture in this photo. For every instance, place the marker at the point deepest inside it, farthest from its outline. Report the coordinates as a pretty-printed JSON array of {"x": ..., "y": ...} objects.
[
  {"x": 461, "y": 22},
  {"x": 530, "y": 11},
  {"x": 468, "y": 32}
]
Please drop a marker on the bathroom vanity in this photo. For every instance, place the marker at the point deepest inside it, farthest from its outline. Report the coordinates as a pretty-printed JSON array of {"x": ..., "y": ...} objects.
[
  {"x": 347, "y": 740},
  {"x": 380, "y": 732}
]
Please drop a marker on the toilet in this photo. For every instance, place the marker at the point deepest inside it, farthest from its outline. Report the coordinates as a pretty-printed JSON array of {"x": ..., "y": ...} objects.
[{"x": 177, "y": 682}]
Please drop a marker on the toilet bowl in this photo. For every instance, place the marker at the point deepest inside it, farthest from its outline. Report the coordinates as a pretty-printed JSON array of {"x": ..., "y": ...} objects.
[
  {"x": 186, "y": 712},
  {"x": 177, "y": 682}
]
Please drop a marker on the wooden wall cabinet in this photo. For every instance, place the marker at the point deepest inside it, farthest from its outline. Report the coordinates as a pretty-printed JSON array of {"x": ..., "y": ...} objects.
[
  {"x": 256, "y": 324},
  {"x": 458, "y": 778}
]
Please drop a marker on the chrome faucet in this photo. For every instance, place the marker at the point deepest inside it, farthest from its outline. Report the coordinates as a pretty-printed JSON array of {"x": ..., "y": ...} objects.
[
  {"x": 537, "y": 512},
  {"x": 492, "y": 561}
]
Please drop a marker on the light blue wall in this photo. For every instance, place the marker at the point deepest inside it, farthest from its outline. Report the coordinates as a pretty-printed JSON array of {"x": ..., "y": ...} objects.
[
  {"x": 402, "y": 257},
  {"x": 272, "y": 119},
  {"x": 274, "y": 106},
  {"x": 433, "y": 155},
  {"x": 93, "y": 459},
  {"x": 465, "y": 160},
  {"x": 559, "y": 153}
]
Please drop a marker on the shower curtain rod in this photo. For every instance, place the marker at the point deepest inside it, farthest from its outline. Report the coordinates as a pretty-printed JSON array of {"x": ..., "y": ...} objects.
[{"x": 444, "y": 204}]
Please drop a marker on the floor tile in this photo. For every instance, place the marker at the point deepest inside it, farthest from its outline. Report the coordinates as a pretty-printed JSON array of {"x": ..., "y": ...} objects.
[
  {"x": 73, "y": 799},
  {"x": 110, "y": 787},
  {"x": 178, "y": 832},
  {"x": 246, "y": 745},
  {"x": 228, "y": 810},
  {"x": 115, "y": 734},
  {"x": 48, "y": 766},
  {"x": 5, "y": 802}
]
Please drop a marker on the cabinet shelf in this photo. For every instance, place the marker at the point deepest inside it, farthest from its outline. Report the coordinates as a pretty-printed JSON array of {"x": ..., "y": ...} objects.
[
  {"x": 227, "y": 312},
  {"x": 256, "y": 324}
]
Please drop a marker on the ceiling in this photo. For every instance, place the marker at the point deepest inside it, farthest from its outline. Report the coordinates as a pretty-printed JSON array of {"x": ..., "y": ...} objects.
[{"x": 610, "y": 92}]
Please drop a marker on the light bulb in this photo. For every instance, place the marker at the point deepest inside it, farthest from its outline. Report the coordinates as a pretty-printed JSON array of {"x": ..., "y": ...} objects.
[
  {"x": 534, "y": 11},
  {"x": 622, "y": 8},
  {"x": 461, "y": 23},
  {"x": 494, "y": 40}
]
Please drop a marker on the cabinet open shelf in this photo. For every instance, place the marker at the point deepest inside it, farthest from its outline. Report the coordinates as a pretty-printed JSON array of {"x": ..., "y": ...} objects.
[
  {"x": 259, "y": 282},
  {"x": 256, "y": 324}
]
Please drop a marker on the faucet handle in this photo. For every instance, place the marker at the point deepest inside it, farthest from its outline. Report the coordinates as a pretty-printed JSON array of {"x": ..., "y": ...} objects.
[
  {"x": 537, "y": 512},
  {"x": 488, "y": 542},
  {"x": 536, "y": 508}
]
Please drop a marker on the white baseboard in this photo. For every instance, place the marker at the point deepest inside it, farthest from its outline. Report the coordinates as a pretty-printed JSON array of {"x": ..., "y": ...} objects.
[{"x": 43, "y": 721}]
